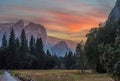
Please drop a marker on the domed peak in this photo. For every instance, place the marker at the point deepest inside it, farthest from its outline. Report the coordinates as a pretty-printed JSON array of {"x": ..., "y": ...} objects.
[
  {"x": 31, "y": 23},
  {"x": 18, "y": 25},
  {"x": 60, "y": 48},
  {"x": 62, "y": 43},
  {"x": 20, "y": 22}
]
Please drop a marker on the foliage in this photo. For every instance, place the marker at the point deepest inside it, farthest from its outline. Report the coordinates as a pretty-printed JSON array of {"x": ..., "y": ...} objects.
[
  {"x": 110, "y": 58},
  {"x": 21, "y": 53},
  {"x": 69, "y": 60},
  {"x": 80, "y": 56},
  {"x": 95, "y": 37},
  {"x": 17, "y": 54}
]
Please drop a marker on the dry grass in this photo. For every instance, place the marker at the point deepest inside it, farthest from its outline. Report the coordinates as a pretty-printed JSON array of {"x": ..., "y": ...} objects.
[{"x": 61, "y": 75}]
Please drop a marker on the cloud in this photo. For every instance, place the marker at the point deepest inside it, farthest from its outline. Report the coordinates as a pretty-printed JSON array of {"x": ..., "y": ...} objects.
[{"x": 68, "y": 20}]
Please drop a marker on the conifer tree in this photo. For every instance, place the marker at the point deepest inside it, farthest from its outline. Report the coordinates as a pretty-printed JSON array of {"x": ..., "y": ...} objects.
[
  {"x": 32, "y": 45},
  {"x": 40, "y": 53},
  {"x": 4, "y": 42},
  {"x": 3, "y": 53},
  {"x": 23, "y": 49},
  {"x": 11, "y": 50},
  {"x": 69, "y": 60}
]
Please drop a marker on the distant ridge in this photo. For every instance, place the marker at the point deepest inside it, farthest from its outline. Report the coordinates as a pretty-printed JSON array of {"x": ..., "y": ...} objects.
[{"x": 38, "y": 31}]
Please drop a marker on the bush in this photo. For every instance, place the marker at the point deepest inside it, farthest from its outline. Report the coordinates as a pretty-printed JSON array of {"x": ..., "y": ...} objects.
[{"x": 111, "y": 59}]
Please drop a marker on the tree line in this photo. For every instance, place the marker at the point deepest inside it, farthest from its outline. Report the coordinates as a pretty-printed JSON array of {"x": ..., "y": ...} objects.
[
  {"x": 21, "y": 53},
  {"x": 102, "y": 49}
]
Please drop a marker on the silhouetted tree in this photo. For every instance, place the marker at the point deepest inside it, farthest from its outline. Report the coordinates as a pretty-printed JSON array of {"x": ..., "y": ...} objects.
[
  {"x": 12, "y": 51},
  {"x": 4, "y": 42},
  {"x": 23, "y": 49},
  {"x": 69, "y": 60},
  {"x": 40, "y": 55}
]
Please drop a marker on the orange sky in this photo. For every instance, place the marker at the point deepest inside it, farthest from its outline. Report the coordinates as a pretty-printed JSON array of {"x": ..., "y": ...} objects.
[{"x": 66, "y": 19}]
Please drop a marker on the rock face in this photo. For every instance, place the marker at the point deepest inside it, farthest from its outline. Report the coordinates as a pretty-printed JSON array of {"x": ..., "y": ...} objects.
[
  {"x": 4, "y": 29},
  {"x": 52, "y": 41},
  {"x": 38, "y": 31},
  {"x": 114, "y": 16},
  {"x": 60, "y": 48}
]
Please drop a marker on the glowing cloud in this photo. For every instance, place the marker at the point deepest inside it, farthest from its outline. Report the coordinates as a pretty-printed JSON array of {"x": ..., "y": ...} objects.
[{"x": 68, "y": 19}]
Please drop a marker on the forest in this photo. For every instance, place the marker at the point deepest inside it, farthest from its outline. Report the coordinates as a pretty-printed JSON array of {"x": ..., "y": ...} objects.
[
  {"x": 20, "y": 53},
  {"x": 100, "y": 53}
]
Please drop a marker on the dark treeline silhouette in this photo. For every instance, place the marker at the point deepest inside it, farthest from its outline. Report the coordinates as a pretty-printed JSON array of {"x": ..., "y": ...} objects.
[{"x": 19, "y": 53}]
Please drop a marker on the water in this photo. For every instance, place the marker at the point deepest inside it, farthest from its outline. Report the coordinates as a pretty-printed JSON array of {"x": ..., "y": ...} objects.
[{"x": 7, "y": 77}]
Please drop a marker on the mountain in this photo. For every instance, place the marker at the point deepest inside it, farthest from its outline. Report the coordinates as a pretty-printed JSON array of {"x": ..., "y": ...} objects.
[
  {"x": 52, "y": 41},
  {"x": 38, "y": 31},
  {"x": 60, "y": 48},
  {"x": 5, "y": 29},
  {"x": 114, "y": 16}
]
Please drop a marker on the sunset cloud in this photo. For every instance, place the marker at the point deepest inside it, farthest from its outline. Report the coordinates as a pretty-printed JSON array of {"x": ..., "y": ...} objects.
[{"x": 62, "y": 18}]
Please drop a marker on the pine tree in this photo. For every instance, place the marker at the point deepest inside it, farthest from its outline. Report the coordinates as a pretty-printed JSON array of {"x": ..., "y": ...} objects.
[
  {"x": 40, "y": 53},
  {"x": 69, "y": 60},
  {"x": 50, "y": 61},
  {"x": 4, "y": 42},
  {"x": 80, "y": 56},
  {"x": 32, "y": 45},
  {"x": 3, "y": 53},
  {"x": 11, "y": 51},
  {"x": 23, "y": 49},
  {"x": 24, "y": 45},
  {"x": 17, "y": 44}
]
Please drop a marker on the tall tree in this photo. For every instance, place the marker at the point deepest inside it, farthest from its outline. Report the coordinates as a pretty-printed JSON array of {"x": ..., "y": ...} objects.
[
  {"x": 11, "y": 50},
  {"x": 17, "y": 44},
  {"x": 3, "y": 53},
  {"x": 40, "y": 53},
  {"x": 32, "y": 45},
  {"x": 49, "y": 61},
  {"x": 69, "y": 61},
  {"x": 80, "y": 56},
  {"x": 23, "y": 49},
  {"x": 91, "y": 48},
  {"x": 4, "y": 42}
]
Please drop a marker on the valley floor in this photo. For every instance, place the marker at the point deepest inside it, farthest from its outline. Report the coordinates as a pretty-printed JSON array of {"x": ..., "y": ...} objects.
[{"x": 60, "y": 75}]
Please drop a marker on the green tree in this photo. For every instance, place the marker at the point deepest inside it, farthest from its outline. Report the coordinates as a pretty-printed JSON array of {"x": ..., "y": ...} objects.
[
  {"x": 80, "y": 56},
  {"x": 12, "y": 51},
  {"x": 4, "y": 42},
  {"x": 91, "y": 48},
  {"x": 50, "y": 61},
  {"x": 69, "y": 61},
  {"x": 111, "y": 60},
  {"x": 32, "y": 45},
  {"x": 17, "y": 61},
  {"x": 40, "y": 55},
  {"x": 23, "y": 49},
  {"x": 3, "y": 53}
]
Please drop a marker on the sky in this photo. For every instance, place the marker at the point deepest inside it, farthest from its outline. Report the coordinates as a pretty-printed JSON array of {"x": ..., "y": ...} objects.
[{"x": 65, "y": 19}]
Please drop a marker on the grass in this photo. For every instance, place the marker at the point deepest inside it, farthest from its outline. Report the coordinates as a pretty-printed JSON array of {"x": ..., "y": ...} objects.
[
  {"x": 1, "y": 71},
  {"x": 60, "y": 75}
]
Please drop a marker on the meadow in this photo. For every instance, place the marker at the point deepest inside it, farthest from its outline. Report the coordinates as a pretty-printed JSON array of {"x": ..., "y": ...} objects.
[{"x": 60, "y": 75}]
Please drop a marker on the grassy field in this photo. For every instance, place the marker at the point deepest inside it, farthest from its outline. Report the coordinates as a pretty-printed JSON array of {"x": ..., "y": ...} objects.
[{"x": 61, "y": 75}]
